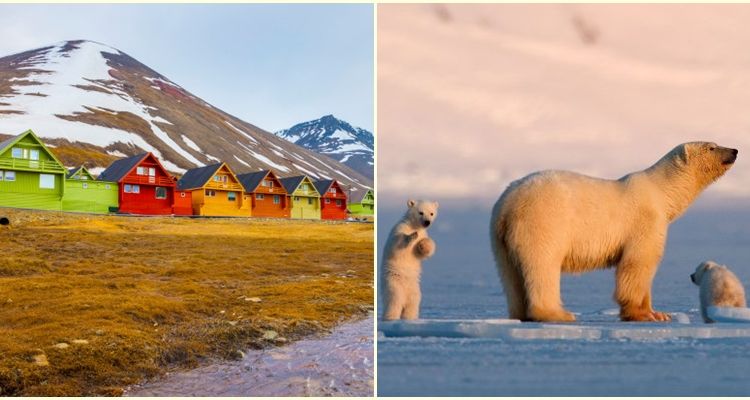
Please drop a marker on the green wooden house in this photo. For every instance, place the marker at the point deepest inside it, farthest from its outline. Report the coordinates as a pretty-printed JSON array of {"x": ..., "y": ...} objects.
[
  {"x": 305, "y": 198},
  {"x": 83, "y": 193},
  {"x": 362, "y": 203},
  {"x": 30, "y": 175}
]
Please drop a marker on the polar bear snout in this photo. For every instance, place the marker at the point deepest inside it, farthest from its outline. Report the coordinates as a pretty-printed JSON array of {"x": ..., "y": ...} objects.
[
  {"x": 426, "y": 223},
  {"x": 730, "y": 156}
]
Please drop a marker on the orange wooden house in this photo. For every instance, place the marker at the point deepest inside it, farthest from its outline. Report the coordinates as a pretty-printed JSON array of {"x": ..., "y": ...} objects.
[
  {"x": 332, "y": 199},
  {"x": 266, "y": 194},
  {"x": 215, "y": 191}
]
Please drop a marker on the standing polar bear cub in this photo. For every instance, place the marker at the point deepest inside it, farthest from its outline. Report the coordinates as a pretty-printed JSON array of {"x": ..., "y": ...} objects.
[
  {"x": 406, "y": 247},
  {"x": 552, "y": 222},
  {"x": 719, "y": 287}
]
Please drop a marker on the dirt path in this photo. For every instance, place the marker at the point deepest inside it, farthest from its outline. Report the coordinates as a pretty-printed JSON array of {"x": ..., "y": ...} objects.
[{"x": 340, "y": 364}]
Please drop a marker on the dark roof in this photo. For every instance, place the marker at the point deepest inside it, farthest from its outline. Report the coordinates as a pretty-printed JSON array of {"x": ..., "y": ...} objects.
[
  {"x": 5, "y": 143},
  {"x": 323, "y": 185},
  {"x": 250, "y": 181},
  {"x": 72, "y": 172},
  {"x": 197, "y": 177},
  {"x": 118, "y": 169},
  {"x": 291, "y": 183}
]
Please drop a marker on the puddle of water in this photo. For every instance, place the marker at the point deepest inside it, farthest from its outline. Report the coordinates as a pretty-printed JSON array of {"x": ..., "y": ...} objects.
[{"x": 339, "y": 364}]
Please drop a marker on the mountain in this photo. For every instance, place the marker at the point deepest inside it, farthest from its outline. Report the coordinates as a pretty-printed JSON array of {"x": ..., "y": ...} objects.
[
  {"x": 93, "y": 104},
  {"x": 337, "y": 139}
]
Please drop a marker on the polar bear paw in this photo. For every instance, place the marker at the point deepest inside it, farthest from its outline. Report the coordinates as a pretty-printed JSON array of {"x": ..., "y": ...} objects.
[
  {"x": 424, "y": 248},
  {"x": 647, "y": 316}
]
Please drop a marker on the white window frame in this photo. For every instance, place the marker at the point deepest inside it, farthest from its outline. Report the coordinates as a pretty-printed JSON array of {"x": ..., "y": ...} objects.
[
  {"x": 231, "y": 196},
  {"x": 14, "y": 150},
  {"x": 260, "y": 196},
  {"x": 156, "y": 193},
  {"x": 10, "y": 176},
  {"x": 152, "y": 171},
  {"x": 276, "y": 199},
  {"x": 136, "y": 188},
  {"x": 127, "y": 188},
  {"x": 44, "y": 182},
  {"x": 140, "y": 171},
  {"x": 34, "y": 155}
]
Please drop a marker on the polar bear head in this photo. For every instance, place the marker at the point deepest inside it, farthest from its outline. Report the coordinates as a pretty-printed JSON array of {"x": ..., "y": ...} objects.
[
  {"x": 705, "y": 161},
  {"x": 702, "y": 269},
  {"x": 421, "y": 213}
]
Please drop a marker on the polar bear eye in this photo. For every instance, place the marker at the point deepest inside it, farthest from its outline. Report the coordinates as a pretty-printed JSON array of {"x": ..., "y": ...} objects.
[
  {"x": 431, "y": 214},
  {"x": 421, "y": 213}
]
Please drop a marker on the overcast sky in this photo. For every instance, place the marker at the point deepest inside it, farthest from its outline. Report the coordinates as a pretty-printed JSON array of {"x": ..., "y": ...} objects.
[{"x": 271, "y": 65}]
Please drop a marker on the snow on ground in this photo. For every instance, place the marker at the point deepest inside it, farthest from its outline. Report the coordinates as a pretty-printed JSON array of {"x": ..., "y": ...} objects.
[
  {"x": 307, "y": 171},
  {"x": 191, "y": 144},
  {"x": 247, "y": 135},
  {"x": 116, "y": 153},
  {"x": 242, "y": 161},
  {"x": 82, "y": 66},
  {"x": 268, "y": 161},
  {"x": 460, "y": 354}
]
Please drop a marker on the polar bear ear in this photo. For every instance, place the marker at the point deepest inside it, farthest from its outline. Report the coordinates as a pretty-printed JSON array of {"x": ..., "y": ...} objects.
[
  {"x": 683, "y": 153},
  {"x": 410, "y": 203},
  {"x": 437, "y": 205}
]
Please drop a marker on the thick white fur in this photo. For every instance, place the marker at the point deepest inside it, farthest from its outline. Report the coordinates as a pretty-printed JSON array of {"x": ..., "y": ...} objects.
[
  {"x": 402, "y": 262},
  {"x": 554, "y": 222},
  {"x": 718, "y": 287}
]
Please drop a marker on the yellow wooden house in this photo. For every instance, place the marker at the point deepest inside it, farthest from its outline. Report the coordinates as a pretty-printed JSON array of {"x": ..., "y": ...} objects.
[
  {"x": 305, "y": 198},
  {"x": 215, "y": 191}
]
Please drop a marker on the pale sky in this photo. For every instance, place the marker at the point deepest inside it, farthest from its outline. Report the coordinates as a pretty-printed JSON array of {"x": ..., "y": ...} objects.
[
  {"x": 272, "y": 65},
  {"x": 472, "y": 97}
]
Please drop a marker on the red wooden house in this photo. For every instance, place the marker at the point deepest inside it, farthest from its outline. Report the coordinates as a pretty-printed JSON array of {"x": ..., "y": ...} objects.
[
  {"x": 145, "y": 186},
  {"x": 266, "y": 193},
  {"x": 332, "y": 200}
]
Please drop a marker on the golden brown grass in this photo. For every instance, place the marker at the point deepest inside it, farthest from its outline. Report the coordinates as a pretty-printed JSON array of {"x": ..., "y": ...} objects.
[{"x": 149, "y": 294}]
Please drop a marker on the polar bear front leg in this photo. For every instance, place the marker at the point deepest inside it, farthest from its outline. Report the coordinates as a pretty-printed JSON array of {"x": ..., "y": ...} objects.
[{"x": 634, "y": 277}]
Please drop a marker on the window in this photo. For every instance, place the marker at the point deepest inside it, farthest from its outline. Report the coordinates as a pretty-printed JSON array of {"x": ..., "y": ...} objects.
[
  {"x": 34, "y": 155},
  {"x": 309, "y": 200},
  {"x": 128, "y": 189},
  {"x": 140, "y": 171},
  {"x": 136, "y": 188},
  {"x": 276, "y": 199},
  {"x": 161, "y": 192},
  {"x": 231, "y": 196},
  {"x": 152, "y": 172},
  {"x": 10, "y": 176},
  {"x": 267, "y": 183},
  {"x": 217, "y": 178},
  {"x": 1, "y": 175},
  {"x": 85, "y": 185},
  {"x": 259, "y": 196},
  {"x": 296, "y": 198},
  {"x": 210, "y": 193},
  {"x": 46, "y": 181},
  {"x": 328, "y": 201},
  {"x": 332, "y": 190},
  {"x": 338, "y": 202},
  {"x": 17, "y": 152}
]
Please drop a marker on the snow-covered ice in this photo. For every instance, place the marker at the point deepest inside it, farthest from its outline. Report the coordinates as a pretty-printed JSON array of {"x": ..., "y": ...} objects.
[
  {"x": 461, "y": 348},
  {"x": 729, "y": 314}
]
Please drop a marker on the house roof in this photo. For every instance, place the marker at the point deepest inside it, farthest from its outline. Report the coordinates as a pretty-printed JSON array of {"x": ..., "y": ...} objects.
[
  {"x": 323, "y": 185},
  {"x": 118, "y": 169},
  {"x": 291, "y": 183},
  {"x": 358, "y": 195},
  {"x": 7, "y": 142},
  {"x": 198, "y": 177},
  {"x": 250, "y": 181}
]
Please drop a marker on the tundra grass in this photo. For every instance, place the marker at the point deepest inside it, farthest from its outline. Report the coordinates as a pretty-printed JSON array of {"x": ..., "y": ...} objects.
[{"x": 134, "y": 297}]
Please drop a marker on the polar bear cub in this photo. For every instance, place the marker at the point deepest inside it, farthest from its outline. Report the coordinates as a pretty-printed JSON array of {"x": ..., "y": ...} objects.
[
  {"x": 718, "y": 287},
  {"x": 406, "y": 247}
]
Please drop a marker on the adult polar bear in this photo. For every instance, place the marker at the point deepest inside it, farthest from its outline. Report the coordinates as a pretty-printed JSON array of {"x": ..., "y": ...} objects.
[{"x": 555, "y": 221}]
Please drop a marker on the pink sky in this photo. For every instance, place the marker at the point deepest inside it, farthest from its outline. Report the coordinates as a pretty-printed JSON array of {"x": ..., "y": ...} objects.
[{"x": 471, "y": 97}]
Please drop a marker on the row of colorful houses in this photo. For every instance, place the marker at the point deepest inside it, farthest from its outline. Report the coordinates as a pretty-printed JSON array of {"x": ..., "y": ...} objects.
[{"x": 31, "y": 176}]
